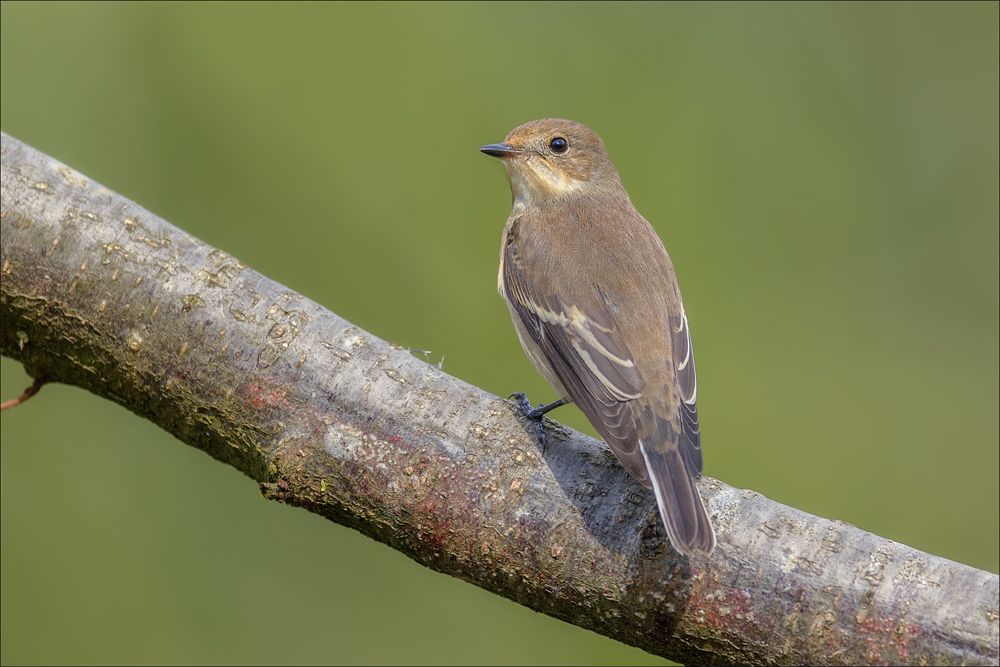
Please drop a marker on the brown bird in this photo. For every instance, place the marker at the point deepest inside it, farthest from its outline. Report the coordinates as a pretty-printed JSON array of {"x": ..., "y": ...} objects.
[{"x": 596, "y": 306}]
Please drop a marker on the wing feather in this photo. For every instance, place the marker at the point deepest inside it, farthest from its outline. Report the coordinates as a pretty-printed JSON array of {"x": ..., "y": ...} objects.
[
  {"x": 590, "y": 358},
  {"x": 687, "y": 384},
  {"x": 579, "y": 338}
]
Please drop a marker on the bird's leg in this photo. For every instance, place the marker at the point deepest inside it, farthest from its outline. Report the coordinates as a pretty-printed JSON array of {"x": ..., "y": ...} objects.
[{"x": 536, "y": 414}]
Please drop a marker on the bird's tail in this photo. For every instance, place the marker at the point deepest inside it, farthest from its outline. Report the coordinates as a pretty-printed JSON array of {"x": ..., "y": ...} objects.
[{"x": 681, "y": 508}]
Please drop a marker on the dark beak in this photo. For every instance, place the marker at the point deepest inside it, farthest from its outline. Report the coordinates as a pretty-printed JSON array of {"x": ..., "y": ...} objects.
[{"x": 499, "y": 150}]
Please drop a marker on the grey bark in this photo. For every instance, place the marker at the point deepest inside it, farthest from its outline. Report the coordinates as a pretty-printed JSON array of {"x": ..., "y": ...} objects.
[{"x": 97, "y": 292}]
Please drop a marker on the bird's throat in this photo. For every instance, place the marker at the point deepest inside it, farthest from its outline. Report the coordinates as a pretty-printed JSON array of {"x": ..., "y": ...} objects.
[{"x": 533, "y": 182}]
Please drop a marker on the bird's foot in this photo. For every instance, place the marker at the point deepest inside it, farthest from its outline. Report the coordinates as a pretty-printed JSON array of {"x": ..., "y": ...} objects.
[{"x": 536, "y": 414}]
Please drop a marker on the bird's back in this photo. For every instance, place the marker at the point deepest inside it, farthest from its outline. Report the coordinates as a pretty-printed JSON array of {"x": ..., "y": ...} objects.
[{"x": 607, "y": 319}]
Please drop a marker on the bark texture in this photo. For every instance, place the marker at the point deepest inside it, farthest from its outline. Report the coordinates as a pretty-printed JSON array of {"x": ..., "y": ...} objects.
[{"x": 97, "y": 292}]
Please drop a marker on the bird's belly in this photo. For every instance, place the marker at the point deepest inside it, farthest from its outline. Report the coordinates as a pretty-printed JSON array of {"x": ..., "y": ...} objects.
[{"x": 537, "y": 357}]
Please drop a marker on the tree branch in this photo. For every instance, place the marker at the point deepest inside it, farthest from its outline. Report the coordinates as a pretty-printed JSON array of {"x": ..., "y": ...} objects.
[{"x": 97, "y": 292}]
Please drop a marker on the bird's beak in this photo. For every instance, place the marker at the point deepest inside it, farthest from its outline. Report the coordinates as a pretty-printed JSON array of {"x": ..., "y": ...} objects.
[{"x": 500, "y": 150}]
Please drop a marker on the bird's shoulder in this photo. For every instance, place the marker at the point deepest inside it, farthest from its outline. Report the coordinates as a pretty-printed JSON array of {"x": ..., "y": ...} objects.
[{"x": 599, "y": 256}]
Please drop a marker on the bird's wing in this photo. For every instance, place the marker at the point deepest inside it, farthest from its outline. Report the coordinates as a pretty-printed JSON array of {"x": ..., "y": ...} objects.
[
  {"x": 687, "y": 385},
  {"x": 656, "y": 445},
  {"x": 576, "y": 325},
  {"x": 644, "y": 407},
  {"x": 587, "y": 352}
]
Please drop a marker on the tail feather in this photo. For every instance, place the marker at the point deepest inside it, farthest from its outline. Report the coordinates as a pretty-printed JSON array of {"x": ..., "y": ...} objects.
[{"x": 681, "y": 508}]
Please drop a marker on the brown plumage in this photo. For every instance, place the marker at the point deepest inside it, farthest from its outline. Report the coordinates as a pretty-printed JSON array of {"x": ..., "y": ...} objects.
[{"x": 595, "y": 303}]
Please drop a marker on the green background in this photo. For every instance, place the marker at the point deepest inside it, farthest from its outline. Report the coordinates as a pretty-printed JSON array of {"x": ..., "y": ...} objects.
[{"x": 824, "y": 176}]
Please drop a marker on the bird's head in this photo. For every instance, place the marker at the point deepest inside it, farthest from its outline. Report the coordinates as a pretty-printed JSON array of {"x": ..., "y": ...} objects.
[{"x": 552, "y": 159}]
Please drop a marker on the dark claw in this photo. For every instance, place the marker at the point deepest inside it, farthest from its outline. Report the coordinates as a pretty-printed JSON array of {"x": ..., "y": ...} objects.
[{"x": 536, "y": 414}]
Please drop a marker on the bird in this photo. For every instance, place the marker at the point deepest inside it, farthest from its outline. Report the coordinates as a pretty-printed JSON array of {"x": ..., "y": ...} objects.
[{"x": 596, "y": 306}]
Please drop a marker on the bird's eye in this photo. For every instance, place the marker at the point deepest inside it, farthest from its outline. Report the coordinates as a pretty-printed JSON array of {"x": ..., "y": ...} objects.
[{"x": 558, "y": 145}]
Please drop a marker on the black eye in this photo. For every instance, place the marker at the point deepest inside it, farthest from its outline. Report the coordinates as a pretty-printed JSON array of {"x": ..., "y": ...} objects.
[{"x": 558, "y": 145}]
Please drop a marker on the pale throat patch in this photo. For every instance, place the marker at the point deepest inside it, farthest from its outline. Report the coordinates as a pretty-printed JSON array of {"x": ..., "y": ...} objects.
[{"x": 533, "y": 181}]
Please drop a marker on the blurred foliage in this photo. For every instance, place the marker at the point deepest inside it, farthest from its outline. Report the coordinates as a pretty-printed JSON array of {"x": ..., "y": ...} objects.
[{"x": 824, "y": 175}]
